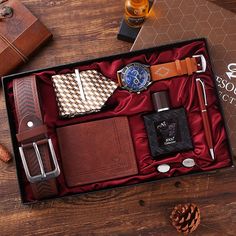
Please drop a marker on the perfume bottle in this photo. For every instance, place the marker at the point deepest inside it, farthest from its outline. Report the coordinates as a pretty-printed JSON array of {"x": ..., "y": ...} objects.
[
  {"x": 167, "y": 129},
  {"x": 135, "y": 12}
]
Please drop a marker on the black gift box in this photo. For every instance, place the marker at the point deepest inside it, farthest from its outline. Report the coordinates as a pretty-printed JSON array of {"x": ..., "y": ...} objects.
[{"x": 7, "y": 79}]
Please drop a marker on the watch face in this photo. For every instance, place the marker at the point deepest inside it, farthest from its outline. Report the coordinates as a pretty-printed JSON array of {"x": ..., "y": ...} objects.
[{"x": 135, "y": 77}]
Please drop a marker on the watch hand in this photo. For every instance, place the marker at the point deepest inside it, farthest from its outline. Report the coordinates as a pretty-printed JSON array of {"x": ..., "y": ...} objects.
[
  {"x": 133, "y": 78},
  {"x": 136, "y": 81},
  {"x": 135, "y": 72}
]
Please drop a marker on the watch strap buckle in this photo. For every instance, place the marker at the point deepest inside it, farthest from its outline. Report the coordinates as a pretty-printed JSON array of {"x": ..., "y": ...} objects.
[{"x": 203, "y": 63}]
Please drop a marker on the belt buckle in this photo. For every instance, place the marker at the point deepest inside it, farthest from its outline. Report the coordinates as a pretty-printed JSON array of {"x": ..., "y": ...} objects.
[
  {"x": 203, "y": 64},
  {"x": 44, "y": 175}
]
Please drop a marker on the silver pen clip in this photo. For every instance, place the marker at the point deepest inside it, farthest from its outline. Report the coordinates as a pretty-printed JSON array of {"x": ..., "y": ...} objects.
[{"x": 203, "y": 89}]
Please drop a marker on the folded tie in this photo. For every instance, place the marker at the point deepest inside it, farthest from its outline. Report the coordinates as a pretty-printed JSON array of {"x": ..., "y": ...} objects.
[{"x": 83, "y": 94}]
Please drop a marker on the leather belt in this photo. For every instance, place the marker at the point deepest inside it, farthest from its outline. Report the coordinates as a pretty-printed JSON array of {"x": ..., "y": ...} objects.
[{"x": 36, "y": 149}]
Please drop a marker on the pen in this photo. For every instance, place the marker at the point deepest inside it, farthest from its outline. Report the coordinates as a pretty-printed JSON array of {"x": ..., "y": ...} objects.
[{"x": 201, "y": 91}]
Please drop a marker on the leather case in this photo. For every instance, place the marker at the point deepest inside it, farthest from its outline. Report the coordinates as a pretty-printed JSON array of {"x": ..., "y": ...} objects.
[
  {"x": 20, "y": 35},
  {"x": 97, "y": 151}
]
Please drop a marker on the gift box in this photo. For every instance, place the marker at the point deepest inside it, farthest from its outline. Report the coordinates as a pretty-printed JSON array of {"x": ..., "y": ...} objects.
[
  {"x": 134, "y": 106},
  {"x": 21, "y": 33}
]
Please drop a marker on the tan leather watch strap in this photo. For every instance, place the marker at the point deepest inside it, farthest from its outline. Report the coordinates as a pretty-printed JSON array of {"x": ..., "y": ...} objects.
[
  {"x": 35, "y": 148},
  {"x": 177, "y": 68}
]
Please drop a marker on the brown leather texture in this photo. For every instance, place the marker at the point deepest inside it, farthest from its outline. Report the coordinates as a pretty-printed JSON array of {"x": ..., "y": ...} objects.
[
  {"x": 28, "y": 109},
  {"x": 172, "y": 69},
  {"x": 97, "y": 151},
  {"x": 172, "y": 21},
  {"x": 20, "y": 36}
]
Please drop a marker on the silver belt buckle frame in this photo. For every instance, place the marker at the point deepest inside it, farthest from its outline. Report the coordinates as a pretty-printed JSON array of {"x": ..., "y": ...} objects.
[
  {"x": 44, "y": 175},
  {"x": 203, "y": 63}
]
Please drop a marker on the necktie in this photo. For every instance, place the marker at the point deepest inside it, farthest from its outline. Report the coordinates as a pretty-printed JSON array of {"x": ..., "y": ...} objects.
[{"x": 83, "y": 95}]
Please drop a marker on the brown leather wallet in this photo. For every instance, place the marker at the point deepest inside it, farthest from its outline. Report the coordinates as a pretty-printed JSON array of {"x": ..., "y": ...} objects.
[
  {"x": 97, "y": 151},
  {"x": 21, "y": 33},
  {"x": 35, "y": 148}
]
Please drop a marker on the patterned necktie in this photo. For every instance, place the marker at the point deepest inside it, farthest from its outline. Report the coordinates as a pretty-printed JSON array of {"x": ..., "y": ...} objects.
[{"x": 82, "y": 97}]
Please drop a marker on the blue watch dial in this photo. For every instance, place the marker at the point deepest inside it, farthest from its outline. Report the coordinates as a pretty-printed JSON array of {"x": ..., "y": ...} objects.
[{"x": 136, "y": 77}]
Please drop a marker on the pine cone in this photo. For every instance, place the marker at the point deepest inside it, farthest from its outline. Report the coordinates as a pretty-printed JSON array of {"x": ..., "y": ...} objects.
[{"x": 185, "y": 217}]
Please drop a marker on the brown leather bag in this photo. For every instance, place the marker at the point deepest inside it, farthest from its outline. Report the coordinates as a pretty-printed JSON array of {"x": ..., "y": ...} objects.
[{"x": 21, "y": 33}]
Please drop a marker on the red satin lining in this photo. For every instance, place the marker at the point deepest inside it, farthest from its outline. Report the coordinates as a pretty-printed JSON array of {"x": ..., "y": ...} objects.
[{"x": 182, "y": 91}]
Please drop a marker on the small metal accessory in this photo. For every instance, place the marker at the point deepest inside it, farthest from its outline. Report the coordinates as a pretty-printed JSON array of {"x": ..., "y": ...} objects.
[
  {"x": 30, "y": 124},
  {"x": 81, "y": 89},
  {"x": 6, "y": 12},
  {"x": 43, "y": 174},
  {"x": 163, "y": 168},
  {"x": 188, "y": 162},
  {"x": 203, "y": 63}
]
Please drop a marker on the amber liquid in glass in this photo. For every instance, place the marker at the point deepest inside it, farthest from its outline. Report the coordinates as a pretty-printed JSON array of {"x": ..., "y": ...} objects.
[{"x": 136, "y": 12}]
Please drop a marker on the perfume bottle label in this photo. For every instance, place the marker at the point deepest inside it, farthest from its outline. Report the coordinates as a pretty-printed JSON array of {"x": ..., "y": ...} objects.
[{"x": 166, "y": 132}]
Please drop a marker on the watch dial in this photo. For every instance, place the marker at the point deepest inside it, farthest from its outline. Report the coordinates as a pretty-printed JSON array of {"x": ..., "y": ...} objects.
[{"x": 136, "y": 77}]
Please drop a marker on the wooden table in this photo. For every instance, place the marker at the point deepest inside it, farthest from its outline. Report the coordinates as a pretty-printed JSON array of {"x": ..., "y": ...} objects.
[{"x": 82, "y": 30}]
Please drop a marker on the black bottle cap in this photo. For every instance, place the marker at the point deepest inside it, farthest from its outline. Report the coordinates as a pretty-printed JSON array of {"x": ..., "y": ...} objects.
[{"x": 161, "y": 101}]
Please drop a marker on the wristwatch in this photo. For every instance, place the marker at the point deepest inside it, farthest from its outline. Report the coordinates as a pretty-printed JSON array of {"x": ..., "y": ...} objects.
[{"x": 136, "y": 77}]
